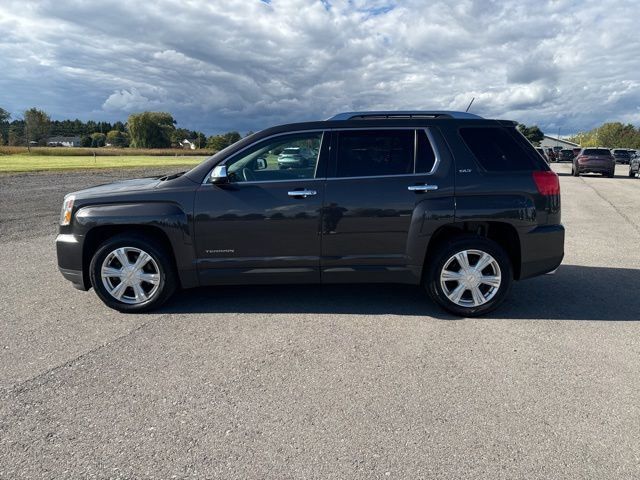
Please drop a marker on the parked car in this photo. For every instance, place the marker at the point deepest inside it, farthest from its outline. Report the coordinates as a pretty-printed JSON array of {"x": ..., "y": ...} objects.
[
  {"x": 540, "y": 150},
  {"x": 566, "y": 155},
  {"x": 594, "y": 160},
  {"x": 448, "y": 200},
  {"x": 622, "y": 155},
  {"x": 634, "y": 166},
  {"x": 295, "y": 157}
]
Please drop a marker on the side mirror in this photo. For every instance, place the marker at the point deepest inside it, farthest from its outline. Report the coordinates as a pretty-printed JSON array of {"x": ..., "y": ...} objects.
[
  {"x": 261, "y": 163},
  {"x": 219, "y": 175}
]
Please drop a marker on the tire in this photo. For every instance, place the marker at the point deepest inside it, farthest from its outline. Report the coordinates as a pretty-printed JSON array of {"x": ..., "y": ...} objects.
[
  {"x": 440, "y": 290},
  {"x": 611, "y": 174},
  {"x": 158, "y": 268}
]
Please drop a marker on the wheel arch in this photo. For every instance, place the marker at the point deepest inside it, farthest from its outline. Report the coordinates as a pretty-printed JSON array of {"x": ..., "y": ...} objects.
[
  {"x": 166, "y": 223},
  {"x": 503, "y": 233}
]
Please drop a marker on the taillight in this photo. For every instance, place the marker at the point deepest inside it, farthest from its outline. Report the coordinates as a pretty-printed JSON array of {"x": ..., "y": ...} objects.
[{"x": 547, "y": 182}]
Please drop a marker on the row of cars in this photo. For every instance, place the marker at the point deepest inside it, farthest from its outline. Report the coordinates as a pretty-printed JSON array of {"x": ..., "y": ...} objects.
[{"x": 595, "y": 159}]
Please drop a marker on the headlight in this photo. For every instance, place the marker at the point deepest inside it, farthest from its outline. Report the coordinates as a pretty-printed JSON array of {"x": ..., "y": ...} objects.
[{"x": 67, "y": 208}]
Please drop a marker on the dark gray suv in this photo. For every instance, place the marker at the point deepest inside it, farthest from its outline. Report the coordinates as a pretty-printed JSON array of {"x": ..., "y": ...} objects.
[{"x": 456, "y": 203}]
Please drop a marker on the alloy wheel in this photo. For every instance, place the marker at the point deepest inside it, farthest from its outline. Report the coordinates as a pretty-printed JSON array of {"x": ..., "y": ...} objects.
[
  {"x": 470, "y": 278},
  {"x": 130, "y": 275}
]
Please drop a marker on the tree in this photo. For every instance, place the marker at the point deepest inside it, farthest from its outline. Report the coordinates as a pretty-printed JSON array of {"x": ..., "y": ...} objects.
[
  {"x": 4, "y": 125},
  {"x": 610, "y": 135},
  {"x": 151, "y": 129},
  {"x": 37, "y": 125},
  {"x": 86, "y": 141},
  {"x": 180, "y": 134},
  {"x": 201, "y": 140},
  {"x": 116, "y": 138},
  {"x": 219, "y": 142},
  {"x": 15, "y": 136},
  {"x": 532, "y": 133},
  {"x": 98, "y": 139}
]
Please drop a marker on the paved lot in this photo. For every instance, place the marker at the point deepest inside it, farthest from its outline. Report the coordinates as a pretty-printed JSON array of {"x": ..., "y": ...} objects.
[{"x": 323, "y": 382}]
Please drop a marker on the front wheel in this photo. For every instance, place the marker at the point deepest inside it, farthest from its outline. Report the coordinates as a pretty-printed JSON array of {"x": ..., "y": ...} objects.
[
  {"x": 469, "y": 276},
  {"x": 132, "y": 273}
]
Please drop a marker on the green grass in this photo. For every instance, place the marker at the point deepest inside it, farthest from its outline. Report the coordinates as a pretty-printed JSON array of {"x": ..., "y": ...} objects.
[{"x": 37, "y": 163}]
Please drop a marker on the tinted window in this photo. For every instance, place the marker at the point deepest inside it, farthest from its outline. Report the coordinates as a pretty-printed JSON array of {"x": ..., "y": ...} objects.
[
  {"x": 596, "y": 151},
  {"x": 425, "y": 157},
  {"x": 501, "y": 149},
  {"x": 286, "y": 157},
  {"x": 363, "y": 153}
]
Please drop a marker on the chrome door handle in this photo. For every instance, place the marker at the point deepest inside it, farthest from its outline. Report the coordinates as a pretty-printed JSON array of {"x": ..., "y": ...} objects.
[
  {"x": 422, "y": 188},
  {"x": 302, "y": 193}
]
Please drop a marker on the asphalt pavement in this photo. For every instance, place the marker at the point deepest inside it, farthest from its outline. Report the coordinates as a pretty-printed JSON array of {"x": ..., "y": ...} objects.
[{"x": 345, "y": 381}]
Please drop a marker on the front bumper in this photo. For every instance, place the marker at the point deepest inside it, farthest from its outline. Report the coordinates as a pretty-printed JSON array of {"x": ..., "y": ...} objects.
[
  {"x": 542, "y": 250},
  {"x": 69, "y": 251}
]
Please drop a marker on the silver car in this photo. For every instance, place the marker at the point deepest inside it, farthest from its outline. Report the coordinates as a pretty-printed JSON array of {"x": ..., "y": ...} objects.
[{"x": 295, "y": 157}]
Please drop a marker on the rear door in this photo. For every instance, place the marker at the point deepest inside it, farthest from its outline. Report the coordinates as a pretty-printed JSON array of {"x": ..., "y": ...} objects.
[{"x": 386, "y": 190}]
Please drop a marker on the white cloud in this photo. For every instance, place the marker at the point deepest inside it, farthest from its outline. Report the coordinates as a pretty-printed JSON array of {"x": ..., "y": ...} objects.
[{"x": 246, "y": 64}]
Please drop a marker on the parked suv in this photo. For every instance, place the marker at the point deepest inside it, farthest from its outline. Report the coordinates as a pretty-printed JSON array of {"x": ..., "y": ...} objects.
[
  {"x": 566, "y": 155},
  {"x": 634, "y": 165},
  {"x": 448, "y": 200},
  {"x": 622, "y": 155},
  {"x": 594, "y": 160}
]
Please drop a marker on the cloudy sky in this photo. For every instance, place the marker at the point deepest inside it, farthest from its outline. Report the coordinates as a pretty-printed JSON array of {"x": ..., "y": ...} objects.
[{"x": 219, "y": 65}]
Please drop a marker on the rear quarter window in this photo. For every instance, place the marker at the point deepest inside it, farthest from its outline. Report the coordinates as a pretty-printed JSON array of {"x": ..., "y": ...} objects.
[{"x": 501, "y": 149}]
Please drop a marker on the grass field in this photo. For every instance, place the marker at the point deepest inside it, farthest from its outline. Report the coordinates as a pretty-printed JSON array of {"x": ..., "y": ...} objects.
[
  {"x": 36, "y": 163},
  {"x": 101, "y": 152}
]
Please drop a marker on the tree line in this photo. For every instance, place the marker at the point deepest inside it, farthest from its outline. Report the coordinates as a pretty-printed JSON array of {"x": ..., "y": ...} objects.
[
  {"x": 141, "y": 130},
  {"x": 610, "y": 135}
]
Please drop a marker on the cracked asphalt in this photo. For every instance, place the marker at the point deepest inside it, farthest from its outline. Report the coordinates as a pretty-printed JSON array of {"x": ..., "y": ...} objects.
[{"x": 323, "y": 382}]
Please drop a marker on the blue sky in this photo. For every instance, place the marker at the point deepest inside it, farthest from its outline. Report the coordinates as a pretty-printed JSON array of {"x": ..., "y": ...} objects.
[{"x": 248, "y": 64}]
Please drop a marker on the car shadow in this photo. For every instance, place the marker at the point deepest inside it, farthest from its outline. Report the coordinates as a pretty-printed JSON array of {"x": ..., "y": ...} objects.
[{"x": 574, "y": 292}]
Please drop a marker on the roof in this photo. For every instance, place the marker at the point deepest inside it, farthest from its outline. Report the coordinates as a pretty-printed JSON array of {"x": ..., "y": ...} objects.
[
  {"x": 61, "y": 139},
  {"x": 406, "y": 114},
  {"x": 555, "y": 139}
]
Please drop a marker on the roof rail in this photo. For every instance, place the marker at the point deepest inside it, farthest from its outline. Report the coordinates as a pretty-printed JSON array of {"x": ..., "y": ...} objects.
[{"x": 377, "y": 115}]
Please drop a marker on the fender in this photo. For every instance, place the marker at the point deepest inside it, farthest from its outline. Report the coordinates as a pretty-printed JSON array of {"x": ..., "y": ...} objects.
[{"x": 169, "y": 217}]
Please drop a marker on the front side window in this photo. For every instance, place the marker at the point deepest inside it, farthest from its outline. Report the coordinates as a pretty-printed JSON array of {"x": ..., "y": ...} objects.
[
  {"x": 287, "y": 157},
  {"x": 365, "y": 153}
]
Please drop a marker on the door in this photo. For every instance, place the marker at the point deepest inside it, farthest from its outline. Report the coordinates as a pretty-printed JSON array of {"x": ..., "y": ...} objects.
[
  {"x": 263, "y": 225},
  {"x": 386, "y": 192}
]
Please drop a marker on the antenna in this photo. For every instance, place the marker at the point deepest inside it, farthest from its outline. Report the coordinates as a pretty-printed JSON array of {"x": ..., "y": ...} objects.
[{"x": 470, "y": 104}]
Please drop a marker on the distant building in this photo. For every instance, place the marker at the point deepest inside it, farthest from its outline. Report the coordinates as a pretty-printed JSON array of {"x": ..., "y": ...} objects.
[
  {"x": 63, "y": 142},
  {"x": 188, "y": 144},
  {"x": 552, "y": 142}
]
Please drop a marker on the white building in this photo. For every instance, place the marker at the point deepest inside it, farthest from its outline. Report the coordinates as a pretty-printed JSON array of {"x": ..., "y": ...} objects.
[
  {"x": 63, "y": 141},
  {"x": 188, "y": 144},
  {"x": 552, "y": 142}
]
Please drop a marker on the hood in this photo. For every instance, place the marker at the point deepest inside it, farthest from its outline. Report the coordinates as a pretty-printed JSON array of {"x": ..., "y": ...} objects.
[{"x": 135, "y": 184}]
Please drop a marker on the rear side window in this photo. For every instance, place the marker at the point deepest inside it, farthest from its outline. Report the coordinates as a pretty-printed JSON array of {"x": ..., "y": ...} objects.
[
  {"x": 364, "y": 153},
  {"x": 500, "y": 149}
]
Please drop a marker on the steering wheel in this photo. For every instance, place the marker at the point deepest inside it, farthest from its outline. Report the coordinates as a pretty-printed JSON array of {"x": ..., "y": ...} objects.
[{"x": 248, "y": 175}]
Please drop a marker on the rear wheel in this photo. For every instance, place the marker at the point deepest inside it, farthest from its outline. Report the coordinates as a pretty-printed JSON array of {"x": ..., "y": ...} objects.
[
  {"x": 469, "y": 276},
  {"x": 132, "y": 273}
]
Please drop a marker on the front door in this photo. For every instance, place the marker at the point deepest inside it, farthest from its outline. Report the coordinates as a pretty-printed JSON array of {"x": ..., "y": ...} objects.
[
  {"x": 263, "y": 226},
  {"x": 385, "y": 192}
]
